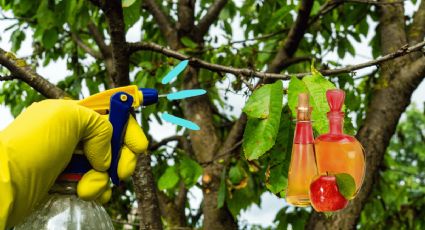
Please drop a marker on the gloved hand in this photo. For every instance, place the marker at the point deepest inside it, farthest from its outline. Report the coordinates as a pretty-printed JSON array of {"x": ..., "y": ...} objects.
[{"x": 38, "y": 145}]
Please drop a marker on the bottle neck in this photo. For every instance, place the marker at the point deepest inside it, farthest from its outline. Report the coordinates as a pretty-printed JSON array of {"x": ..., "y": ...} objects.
[
  {"x": 336, "y": 123},
  {"x": 303, "y": 133},
  {"x": 64, "y": 187}
]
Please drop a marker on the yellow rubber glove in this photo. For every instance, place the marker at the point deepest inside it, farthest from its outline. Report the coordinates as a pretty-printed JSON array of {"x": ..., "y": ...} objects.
[{"x": 38, "y": 145}]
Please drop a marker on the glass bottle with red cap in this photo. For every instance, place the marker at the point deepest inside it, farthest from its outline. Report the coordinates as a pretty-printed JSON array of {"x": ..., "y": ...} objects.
[
  {"x": 337, "y": 152},
  {"x": 302, "y": 168}
]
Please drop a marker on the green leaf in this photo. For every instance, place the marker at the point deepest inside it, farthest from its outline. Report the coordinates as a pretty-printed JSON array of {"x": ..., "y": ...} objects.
[
  {"x": 50, "y": 37},
  {"x": 221, "y": 197},
  {"x": 132, "y": 13},
  {"x": 188, "y": 42},
  {"x": 259, "y": 103},
  {"x": 283, "y": 146},
  {"x": 296, "y": 86},
  {"x": 346, "y": 185},
  {"x": 169, "y": 179},
  {"x": 316, "y": 8},
  {"x": 127, "y": 3},
  {"x": 260, "y": 134},
  {"x": 278, "y": 178},
  {"x": 241, "y": 199},
  {"x": 190, "y": 171},
  {"x": 317, "y": 86},
  {"x": 17, "y": 37},
  {"x": 46, "y": 18},
  {"x": 236, "y": 174}
]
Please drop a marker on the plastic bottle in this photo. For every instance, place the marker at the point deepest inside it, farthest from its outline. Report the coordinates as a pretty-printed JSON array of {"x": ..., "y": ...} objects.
[
  {"x": 302, "y": 168},
  {"x": 64, "y": 210},
  {"x": 337, "y": 152}
]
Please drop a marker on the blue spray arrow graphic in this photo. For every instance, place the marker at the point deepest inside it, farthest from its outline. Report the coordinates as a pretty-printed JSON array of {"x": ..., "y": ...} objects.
[
  {"x": 175, "y": 72},
  {"x": 180, "y": 121},
  {"x": 185, "y": 94}
]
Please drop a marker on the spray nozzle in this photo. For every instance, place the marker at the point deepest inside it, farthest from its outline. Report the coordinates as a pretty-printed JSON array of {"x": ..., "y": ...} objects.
[{"x": 150, "y": 96}]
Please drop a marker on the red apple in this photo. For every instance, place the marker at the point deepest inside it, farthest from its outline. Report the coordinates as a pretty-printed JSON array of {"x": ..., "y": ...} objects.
[{"x": 325, "y": 195}]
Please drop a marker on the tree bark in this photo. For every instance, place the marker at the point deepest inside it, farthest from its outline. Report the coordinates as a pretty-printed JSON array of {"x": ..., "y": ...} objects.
[
  {"x": 120, "y": 54},
  {"x": 145, "y": 189}
]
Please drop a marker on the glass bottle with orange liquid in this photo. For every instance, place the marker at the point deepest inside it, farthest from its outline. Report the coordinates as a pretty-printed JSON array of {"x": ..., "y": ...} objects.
[
  {"x": 337, "y": 152},
  {"x": 302, "y": 168}
]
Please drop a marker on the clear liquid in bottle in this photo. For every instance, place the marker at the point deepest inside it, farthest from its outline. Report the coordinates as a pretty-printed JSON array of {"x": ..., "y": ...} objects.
[{"x": 64, "y": 210}]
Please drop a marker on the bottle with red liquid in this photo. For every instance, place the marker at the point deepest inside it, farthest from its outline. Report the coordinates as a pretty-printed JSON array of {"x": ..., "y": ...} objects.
[
  {"x": 302, "y": 168},
  {"x": 337, "y": 152}
]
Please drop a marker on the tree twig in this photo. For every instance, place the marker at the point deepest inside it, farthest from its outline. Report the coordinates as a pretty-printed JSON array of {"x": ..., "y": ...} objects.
[
  {"x": 212, "y": 13},
  {"x": 165, "y": 24},
  {"x": 85, "y": 47},
  {"x": 19, "y": 69},
  {"x": 195, "y": 62},
  {"x": 296, "y": 33},
  {"x": 156, "y": 145},
  {"x": 7, "y": 78},
  {"x": 99, "y": 39}
]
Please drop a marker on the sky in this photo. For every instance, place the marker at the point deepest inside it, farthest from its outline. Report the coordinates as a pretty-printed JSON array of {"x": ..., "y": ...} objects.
[{"x": 270, "y": 204}]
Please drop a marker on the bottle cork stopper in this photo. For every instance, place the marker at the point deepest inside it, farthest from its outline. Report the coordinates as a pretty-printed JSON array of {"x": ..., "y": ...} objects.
[
  {"x": 303, "y": 108},
  {"x": 335, "y": 99},
  {"x": 303, "y": 101}
]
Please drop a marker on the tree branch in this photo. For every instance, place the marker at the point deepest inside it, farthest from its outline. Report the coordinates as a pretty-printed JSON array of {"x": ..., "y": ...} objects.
[
  {"x": 186, "y": 15},
  {"x": 100, "y": 40},
  {"x": 195, "y": 62},
  {"x": 174, "y": 216},
  {"x": 19, "y": 69},
  {"x": 417, "y": 29},
  {"x": 372, "y": 2},
  {"x": 294, "y": 37},
  {"x": 154, "y": 146},
  {"x": 181, "y": 198},
  {"x": 7, "y": 78},
  {"x": 85, "y": 47},
  {"x": 115, "y": 18},
  {"x": 165, "y": 24},
  {"x": 146, "y": 194},
  {"x": 212, "y": 14}
]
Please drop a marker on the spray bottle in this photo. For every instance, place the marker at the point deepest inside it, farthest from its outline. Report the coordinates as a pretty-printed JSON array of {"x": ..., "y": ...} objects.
[{"x": 63, "y": 209}]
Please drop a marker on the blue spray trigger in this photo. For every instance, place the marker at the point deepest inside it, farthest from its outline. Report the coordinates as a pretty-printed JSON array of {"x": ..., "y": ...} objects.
[{"x": 119, "y": 112}]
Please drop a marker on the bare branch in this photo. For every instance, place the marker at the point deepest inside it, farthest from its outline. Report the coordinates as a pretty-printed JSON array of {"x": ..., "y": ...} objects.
[
  {"x": 294, "y": 38},
  {"x": 249, "y": 85},
  {"x": 115, "y": 18},
  {"x": 7, "y": 78},
  {"x": 181, "y": 198},
  {"x": 22, "y": 71},
  {"x": 100, "y": 40},
  {"x": 186, "y": 14},
  {"x": 154, "y": 146},
  {"x": 372, "y": 2},
  {"x": 399, "y": 53},
  {"x": 85, "y": 47},
  {"x": 211, "y": 15},
  {"x": 195, "y": 62},
  {"x": 165, "y": 24}
]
